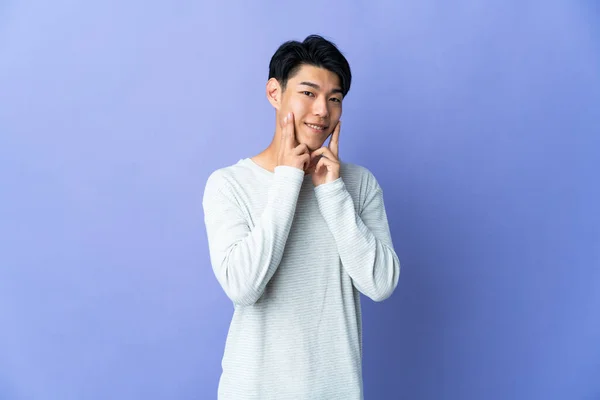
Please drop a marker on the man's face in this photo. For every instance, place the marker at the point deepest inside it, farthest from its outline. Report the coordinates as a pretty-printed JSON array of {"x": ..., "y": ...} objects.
[{"x": 314, "y": 95}]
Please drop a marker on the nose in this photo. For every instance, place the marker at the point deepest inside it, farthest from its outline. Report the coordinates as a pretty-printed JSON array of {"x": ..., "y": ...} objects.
[{"x": 320, "y": 107}]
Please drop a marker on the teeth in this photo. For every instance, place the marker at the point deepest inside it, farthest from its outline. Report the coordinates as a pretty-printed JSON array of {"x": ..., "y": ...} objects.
[{"x": 316, "y": 127}]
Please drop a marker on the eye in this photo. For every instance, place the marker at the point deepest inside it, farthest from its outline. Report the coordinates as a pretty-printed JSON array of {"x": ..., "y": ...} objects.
[
  {"x": 335, "y": 100},
  {"x": 307, "y": 93}
]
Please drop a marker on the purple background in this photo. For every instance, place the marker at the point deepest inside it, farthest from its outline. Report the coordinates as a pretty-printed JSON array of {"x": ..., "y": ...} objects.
[{"x": 480, "y": 120}]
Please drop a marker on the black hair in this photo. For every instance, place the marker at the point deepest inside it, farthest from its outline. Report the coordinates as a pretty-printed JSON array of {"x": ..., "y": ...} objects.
[{"x": 315, "y": 51}]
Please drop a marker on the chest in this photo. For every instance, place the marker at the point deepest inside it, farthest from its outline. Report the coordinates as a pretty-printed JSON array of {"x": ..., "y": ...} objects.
[{"x": 310, "y": 251}]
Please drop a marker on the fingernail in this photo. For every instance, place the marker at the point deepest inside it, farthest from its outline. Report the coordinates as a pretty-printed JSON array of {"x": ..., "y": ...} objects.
[
  {"x": 290, "y": 115},
  {"x": 285, "y": 120}
]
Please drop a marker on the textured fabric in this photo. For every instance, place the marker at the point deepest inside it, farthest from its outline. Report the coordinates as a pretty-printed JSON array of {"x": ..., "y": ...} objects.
[{"x": 294, "y": 259}]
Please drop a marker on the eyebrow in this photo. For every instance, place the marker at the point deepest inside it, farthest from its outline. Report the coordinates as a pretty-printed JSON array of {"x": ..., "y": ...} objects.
[{"x": 314, "y": 85}]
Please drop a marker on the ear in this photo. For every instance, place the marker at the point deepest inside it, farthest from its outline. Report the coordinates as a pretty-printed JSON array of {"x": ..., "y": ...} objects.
[{"x": 274, "y": 93}]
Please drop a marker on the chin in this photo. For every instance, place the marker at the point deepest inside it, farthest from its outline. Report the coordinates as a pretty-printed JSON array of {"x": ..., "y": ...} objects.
[{"x": 312, "y": 143}]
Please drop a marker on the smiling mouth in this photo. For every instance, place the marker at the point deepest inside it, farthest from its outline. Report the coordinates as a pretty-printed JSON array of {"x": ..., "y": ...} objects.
[{"x": 320, "y": 128}]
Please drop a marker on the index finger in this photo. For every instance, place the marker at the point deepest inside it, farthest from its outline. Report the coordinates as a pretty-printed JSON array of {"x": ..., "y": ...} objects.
[
  {"x": 334, "y": 143},
  {"x": 288, "y": 135}
]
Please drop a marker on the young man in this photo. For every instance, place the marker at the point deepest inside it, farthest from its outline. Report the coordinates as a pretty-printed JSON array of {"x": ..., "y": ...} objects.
[{"x": 295, "y": 235}]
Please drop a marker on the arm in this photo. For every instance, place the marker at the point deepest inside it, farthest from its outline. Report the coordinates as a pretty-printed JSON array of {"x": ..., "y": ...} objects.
[
  {"x": 363, "y": 241},
  {"x": 243, "y": 258}
]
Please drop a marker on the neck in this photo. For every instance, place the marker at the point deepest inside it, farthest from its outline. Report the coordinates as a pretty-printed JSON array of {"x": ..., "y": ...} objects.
[{"x": 267, "y": 159}]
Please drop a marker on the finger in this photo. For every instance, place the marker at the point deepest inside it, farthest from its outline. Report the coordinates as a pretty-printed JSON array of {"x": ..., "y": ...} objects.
[
  {"x": 284, "y": 131},
  {"x": 301, "y": 149},
  {"x": 306, "y": 159},
  {"x": 291, "y": 131},
  {"x": 287, "y": 138},
  {"x": 283, "y": 122},
  {"x": 311, "y": 167},
  {"x": 314, "y": 160},
  {"x": 335, "y": 140},
  {"x": 324, "y": 152},
  {"x": 323, "y": 163}
]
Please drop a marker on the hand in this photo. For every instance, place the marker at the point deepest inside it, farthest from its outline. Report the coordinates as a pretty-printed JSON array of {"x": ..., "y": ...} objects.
[
  {"x": 291, "y": 153},
  {"x": 327, "y": 169}
]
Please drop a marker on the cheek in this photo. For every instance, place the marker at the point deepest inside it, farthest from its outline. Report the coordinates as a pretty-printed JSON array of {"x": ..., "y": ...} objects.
[
  {"x": 336, "y": 111},
  {"x": 300, "y": 105},
  {"x": 291, "y": 106}
]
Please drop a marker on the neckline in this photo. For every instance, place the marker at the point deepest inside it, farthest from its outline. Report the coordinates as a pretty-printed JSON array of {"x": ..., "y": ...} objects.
[
  {"x": 255, "y": 166},
  {"x": 252, "y": 164}
]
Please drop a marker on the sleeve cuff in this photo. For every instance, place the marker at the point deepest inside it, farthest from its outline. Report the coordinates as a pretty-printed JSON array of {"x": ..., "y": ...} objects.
[{"x": 332, "y": 198}]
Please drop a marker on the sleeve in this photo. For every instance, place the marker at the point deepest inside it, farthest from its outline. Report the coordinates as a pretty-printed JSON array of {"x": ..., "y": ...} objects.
[
  {"x": 363, "y": 241},
  {"x": 243, "y": 258}
]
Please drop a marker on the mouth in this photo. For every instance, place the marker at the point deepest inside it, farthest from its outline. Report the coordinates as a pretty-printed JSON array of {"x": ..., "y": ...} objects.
[{"x": 317, "y": 127}]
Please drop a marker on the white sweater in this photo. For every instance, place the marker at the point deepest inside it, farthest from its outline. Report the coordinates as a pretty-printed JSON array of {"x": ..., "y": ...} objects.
[{"x": 294, "y": 259}]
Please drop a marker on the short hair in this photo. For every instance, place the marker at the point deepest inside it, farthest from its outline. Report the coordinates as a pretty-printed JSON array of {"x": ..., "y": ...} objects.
[{"x": 315, "y": 51}]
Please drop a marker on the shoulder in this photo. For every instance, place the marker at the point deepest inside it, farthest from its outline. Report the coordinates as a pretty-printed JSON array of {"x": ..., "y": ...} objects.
[
  {"x": 360, "y": 183},
  {"x": 358, "y": 175},
  {"x": 224, "y": 179}
]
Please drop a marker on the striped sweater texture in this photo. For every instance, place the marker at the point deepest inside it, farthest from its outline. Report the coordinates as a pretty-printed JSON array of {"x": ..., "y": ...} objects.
[{"x": 294, "y": 259}]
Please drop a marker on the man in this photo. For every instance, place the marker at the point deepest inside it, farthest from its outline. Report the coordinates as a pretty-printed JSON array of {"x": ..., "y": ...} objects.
[{"x": 295, "y": 236}]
